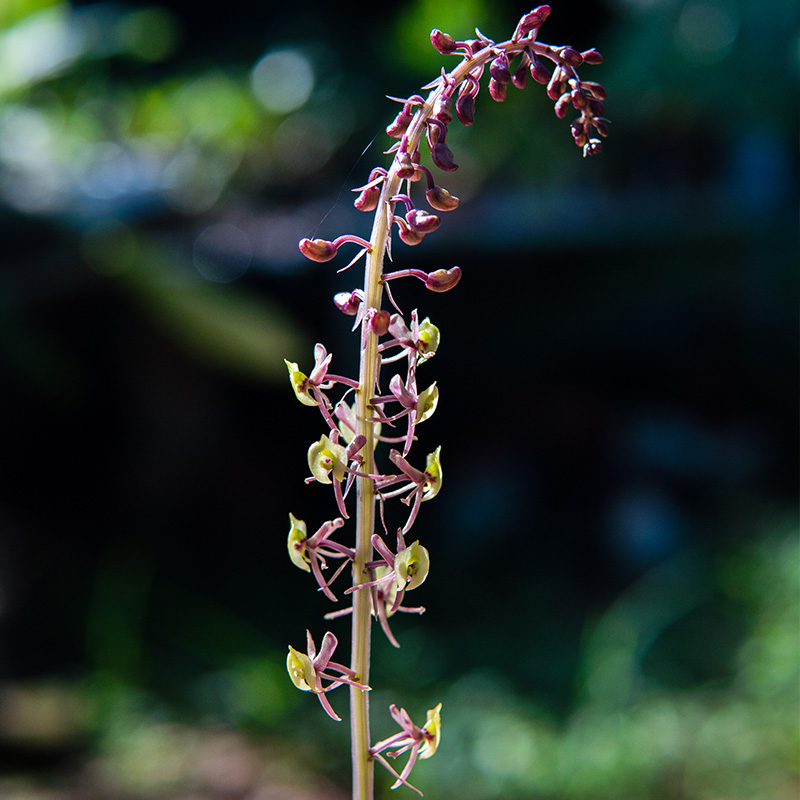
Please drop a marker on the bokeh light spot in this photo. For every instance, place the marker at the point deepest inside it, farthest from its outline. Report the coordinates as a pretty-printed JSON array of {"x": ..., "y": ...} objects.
[
  {"x": 705, "y": 31},
  {"x": 282, "y": 80}
]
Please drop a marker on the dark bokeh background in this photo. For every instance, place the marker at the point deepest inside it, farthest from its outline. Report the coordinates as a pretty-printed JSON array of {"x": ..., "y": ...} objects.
[{"x": 612, "y": 605}]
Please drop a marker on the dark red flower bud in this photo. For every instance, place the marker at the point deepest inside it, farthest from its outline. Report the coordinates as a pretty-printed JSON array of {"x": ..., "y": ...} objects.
[
  {"x": 442, "y": 157},
  {"x": 441, "y": 109},
  {"x": 368, "y": 199},
  {"x": 571, "y": 56},
  {"x": 408, "y": 235},
  {"x": 443, "y": 42},
  {"x": 442, "y": 280},
  {"x": 348, "y": 302},
  {"x": 498, "y": 69},
  {"x": 600, "y": 125},
  {"x": 532, "y": 20},
  {"x": 520, "y": 76},
  {"x": 379, "y": 322},
  {"x": 405, "y": 166},
  {"x": 557, "y": 85},
  {"x": 579, "y": 133},
  {"x": 578, "y": 99},
  {"x": 421, "y": 221},
  {"x": 595, "y": 89},
  {"x": 399, "y": 125},
  {"x": 562, "y": 104},
  {"x": 595, "y": 106},
  {"x": 593, "y": 147},
  {"x": 592, "y": 56},
  {"x": 540, "y": 73},
  {"x": 497, "y": 90},
  {"x": 465, "y": 108},
  {"x": 441, "y": 199},
  {"x": 317, "y": 249}
]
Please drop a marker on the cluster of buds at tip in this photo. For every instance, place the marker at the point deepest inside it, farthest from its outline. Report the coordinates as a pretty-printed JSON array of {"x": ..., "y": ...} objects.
[{"x": 387, "y": 409}]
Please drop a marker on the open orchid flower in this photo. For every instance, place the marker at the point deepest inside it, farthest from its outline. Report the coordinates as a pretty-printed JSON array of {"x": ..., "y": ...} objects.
[
  {"x": 309, "y": 553},
  {"x": 307, "y": 671},
  {"x": 421, "y": 742}
]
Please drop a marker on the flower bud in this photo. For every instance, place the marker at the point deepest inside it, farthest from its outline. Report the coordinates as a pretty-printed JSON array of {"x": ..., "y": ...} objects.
[
  {"x": 317, "y": 249},
  {"x": 443, "y": 42},
  {"x": 533, "y": 20},
  {"x": 592, "y": 56},
  {"x": 595, "y": 89},
  {"x": 442, "y": 280},
  {"x": 441, "y": 109},
  {"x": 465, "y": 108},
  {"x": 593, "y": 147},
  {"x": 498, "y": 69},
  {"x": 595, "y": 106},
  {"x": 440, "y": 199},
  {"x": 579, "y": 133},
  {"x": 379, "y": 322},
  {"x": 399, "y": 124},
  {"x": 422, "y": 221},
  {"x": 497, "y": 90},
  {"x": 442, "y": 157},
  {"x": 557, "y": 85},
  {"x": 368, "y": 199},
  {"x": 578, "y": 99},
  {"x": 520, "y": 76},
  {"x": 600, "y": 125},
  {"x": 571, "y": 56},
  {"x": 562, "y": 105},
  {"x": 408, "y": 235},
  {"x": 405, "y": 166},
  {"x": 348, "y": 302},
  {"x": 540, "y": 73}
]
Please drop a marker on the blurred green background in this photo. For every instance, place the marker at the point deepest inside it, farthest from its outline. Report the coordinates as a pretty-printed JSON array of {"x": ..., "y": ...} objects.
[{"x": 613, "y": 598}]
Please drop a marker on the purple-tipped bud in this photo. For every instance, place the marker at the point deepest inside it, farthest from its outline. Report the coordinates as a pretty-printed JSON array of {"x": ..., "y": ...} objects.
[
  {"x": 600, "y": 125},
  {"x": 579, "y": 133},
  {"x": 595, "y": 89},
  {"x": 540, "y": 73},
  {"x": 592, "y": 56},
  {"x": 441, "y": 109},
  {"x": 593, "y": 147},
  {"x": 317, "y": 249},
  {"x": 498, "y": 69},
  {"x": 442, "y": 280},
  {"x": 520, "y": 76},
  {"x": 532, "y": 20},
  {"x": 379, "y": 322},
  {"x": 348, "y": 302},
  {"x": 441, "y": 199},
  {"x": 497, "y": 90},
  {"x": 557, "y": 85},
  {"x": 595, "y": 106},
  {"x": 405, "y": 166},
  {"x": 368, "y": 199},
  {"x": 443, "y": 42},
  {"x": 562, "y": 104},
  {"x": 399, "y": 125},
  {"x": 571, "y": 56},
  {"x": 442, "y": 157},
  {"x": 422, "y": 221},
  {"x": 465, "y": 108},
  {"x": 578, "y": 99}
]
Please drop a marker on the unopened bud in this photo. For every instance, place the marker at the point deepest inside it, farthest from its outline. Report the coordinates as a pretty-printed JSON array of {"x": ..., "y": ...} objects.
[
  {"x": 557, "y": 85},
  {"x": 532, "y": 20},
  {"x": 422, "y": 221},
  {"x": 379, "y": 322},
  {"x": 593, "y": 147},
  {"x": 348, "y": 302},
  {"x": 442, "y": 280},
  {"x": 595, "y": 89},
  {"x": 465, "y": 108},
  {"x": 562, "y": 105},
  {"x": 441, "y": 109},
  {"x": 592, "y": 56},
  {"x": 497, "y": 90},
  {"x": 571, "y": 56},
  {"x": 498, "y": 69},
  {"x": 443, "y": 157},
  {"x": 595, "y": 106},
  {"x": 520, "y": 76},
  {"x": 540, "y": 73},
  {"x": 405, "y": 166},
  {"x": 440, "y": 199},
  {"x": 399, "y": 125},
  {"x": 408, "y": 235},
  {"x": 317, "y": 249},
  {"x": 443, "y": 42},
  {"x": 368, "y": 199},
  {"x": 578, "y": 99},
  {"x": 579, "y": 133},
  {"x": 600, "y": 125}
]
